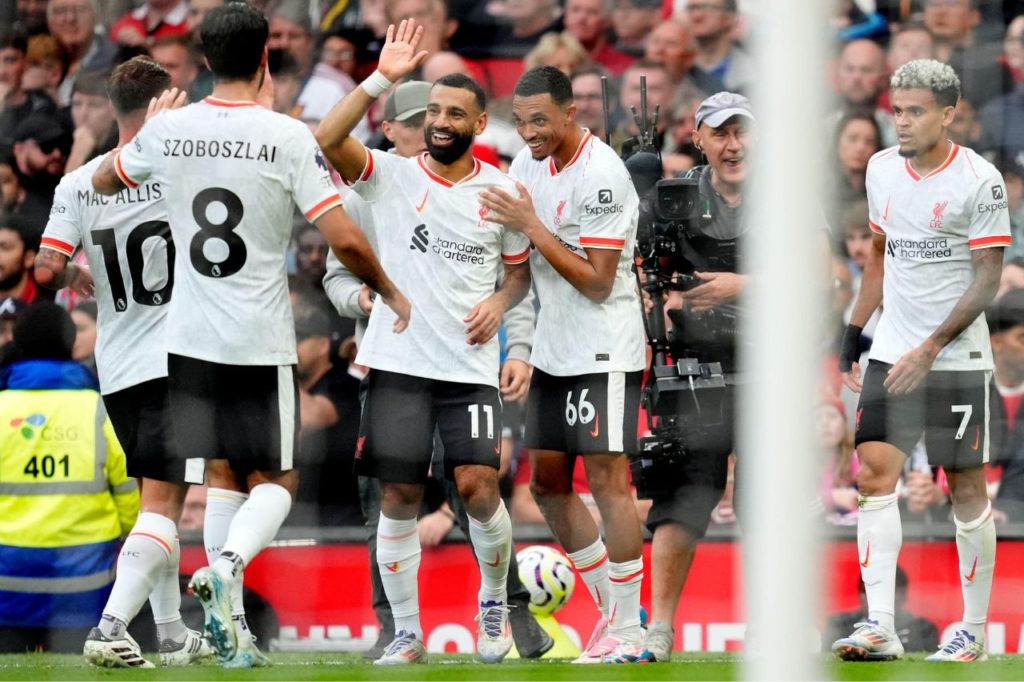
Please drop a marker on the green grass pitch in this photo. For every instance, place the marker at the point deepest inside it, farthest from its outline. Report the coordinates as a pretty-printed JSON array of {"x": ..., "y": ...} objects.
[{"x": 353, "y": 667}]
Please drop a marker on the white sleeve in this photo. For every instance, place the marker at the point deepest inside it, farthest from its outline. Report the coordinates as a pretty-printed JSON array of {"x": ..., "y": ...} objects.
[
  {"x": 875, "y": 211},
  {"x": 311, "y": 184},
  {"x": 990, "y": 217},
  {"x": 63, "y": 231},
  {"x": 604, "y": 222},
  {"x": 342, "y": 288},
  {"x": 379, "y": 172}
]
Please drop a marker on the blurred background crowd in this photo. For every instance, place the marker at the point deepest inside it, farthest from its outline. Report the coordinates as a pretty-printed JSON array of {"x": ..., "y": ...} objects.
[{"x": 55, "y": 56}]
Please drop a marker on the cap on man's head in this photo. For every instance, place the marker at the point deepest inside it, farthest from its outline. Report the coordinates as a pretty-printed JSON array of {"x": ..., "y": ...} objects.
[
  {"x": 1007, "y": 312},
  {"x": 45, "y": 331},
  {"x": 408, "y": 99},
  {"x": 46, "y": 130},
  {"x": 722, "y": 106},
  {"x": 311, "y": 321}
]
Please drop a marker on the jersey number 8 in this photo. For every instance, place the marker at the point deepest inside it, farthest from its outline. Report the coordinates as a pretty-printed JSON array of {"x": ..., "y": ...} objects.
[{"x": 224, "y": 231}]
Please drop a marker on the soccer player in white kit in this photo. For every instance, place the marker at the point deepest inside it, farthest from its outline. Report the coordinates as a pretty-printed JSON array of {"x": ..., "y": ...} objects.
[
  {"x": 939, "y": 216},
  {"x": 231, "y": 171},
  {"x": 588, "y": 350},
  {"x": 127, "y": 242},
  {"x": 442, "y": 374}
]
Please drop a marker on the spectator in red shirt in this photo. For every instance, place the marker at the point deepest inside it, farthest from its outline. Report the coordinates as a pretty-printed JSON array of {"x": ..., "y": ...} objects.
[
  {"x": 154, "y": 19},
  {"x": 590, "y": 22}
]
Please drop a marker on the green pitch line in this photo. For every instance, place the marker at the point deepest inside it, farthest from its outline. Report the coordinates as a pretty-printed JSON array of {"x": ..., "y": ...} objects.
[{"x": 458, "y": 668}]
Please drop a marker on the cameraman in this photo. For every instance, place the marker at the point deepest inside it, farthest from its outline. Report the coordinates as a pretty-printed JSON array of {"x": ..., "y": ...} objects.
[{"x": 703, "y": 326}]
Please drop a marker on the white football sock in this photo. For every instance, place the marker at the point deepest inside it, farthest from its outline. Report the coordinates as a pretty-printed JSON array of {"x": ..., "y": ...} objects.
[
  {"x": 166, "y": 600},
  {"x": 879, "y": 538},
  {"x": 255, "y": 524},
  {"x": 398, "y": 555},
  {"x": 592, "y": 564},
  {"x": 624, "y": 601},
  {"x": 221, "y": 506},
  {"x": 976, "y": 546},
  {"x": 144, "y": 556},
  {"x": 492, "y": 543}
]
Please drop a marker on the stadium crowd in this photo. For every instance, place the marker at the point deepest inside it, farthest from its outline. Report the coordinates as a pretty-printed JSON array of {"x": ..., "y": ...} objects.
[{"x": 55, "y": 116}]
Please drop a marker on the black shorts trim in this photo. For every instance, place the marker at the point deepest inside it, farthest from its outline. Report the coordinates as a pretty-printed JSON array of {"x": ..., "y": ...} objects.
[
  {"x": 140, "y": 418},
  {"x": 401, "y": 413},
  {"x": 247, "y": 414},
  {"x": 950, "y": 409},
  {"x": 585, "y": 414}
]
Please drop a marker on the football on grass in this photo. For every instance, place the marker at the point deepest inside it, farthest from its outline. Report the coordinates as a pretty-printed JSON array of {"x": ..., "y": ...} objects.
[{"x": 549, "y": 577}]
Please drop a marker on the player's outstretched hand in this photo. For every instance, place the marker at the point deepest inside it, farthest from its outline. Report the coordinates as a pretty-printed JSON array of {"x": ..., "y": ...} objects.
[
  {"x": 483, "y": 321},
  {"x": 852, "y": 379},
  {"x": 82, "y": 282},
  {"x": 398, "y": 57},
  {"x": 168, "y": 99},
  {"x": 911, "y": 369},
  {"x": 515, "y": 213},
  {"x": 515, "y": 379},
  {"x": 402, "y": 307}
]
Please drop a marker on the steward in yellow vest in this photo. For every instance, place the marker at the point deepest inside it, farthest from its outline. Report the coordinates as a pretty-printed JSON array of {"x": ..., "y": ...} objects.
[{"x": 65, "y": 498}]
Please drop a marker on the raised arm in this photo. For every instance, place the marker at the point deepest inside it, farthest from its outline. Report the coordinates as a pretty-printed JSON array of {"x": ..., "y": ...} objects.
[
  {"x": 105, "y": 180},
  {"x": 398, "y": 58}
]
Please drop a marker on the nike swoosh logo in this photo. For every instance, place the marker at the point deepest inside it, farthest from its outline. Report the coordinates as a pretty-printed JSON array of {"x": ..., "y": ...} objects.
[
  {"x": 611, "y": 618},
  {"x": 974, "y": 569},
  {"x": 885, "y": 213},
  {"x": 419, "y": 209},
  {"x": 600, "y": 599},
  {"x": 497, "y": 560},
  {"x": 977, "y": 438},
  {"x": 867, "y": 556},
  {"x": 596, "y": 431},
  {"x": 393, "y": 567}
]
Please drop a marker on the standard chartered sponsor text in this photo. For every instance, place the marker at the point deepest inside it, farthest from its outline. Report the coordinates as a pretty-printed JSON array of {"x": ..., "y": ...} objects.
[{"x": 928, "y": 249}]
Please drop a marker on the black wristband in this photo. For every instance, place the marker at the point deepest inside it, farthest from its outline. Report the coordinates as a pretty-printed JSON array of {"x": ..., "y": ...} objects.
[{"x": 849, "y": 350}]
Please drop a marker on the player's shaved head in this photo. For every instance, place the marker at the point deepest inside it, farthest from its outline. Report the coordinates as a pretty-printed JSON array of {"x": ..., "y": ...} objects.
[
  {"x": 234, "y": 37},
  {"x": 134, "y": 83},
  {"x": 545, "y": 80}
]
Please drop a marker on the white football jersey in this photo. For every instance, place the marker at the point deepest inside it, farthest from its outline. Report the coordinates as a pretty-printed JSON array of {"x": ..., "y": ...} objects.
[
  {"x": 231, "y": 172},
  {"x": 931, "y": 225},
  {"x": 435, "y": 240},
  {"x": 590, "y": 203},
  {"x": 127, "y": 242}
]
